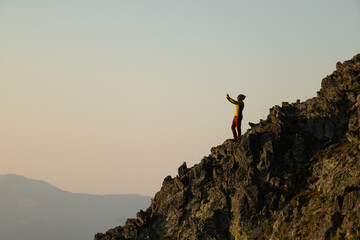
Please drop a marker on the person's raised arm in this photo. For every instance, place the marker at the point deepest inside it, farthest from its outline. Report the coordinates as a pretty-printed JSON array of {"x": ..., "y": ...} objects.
[{"x": 231, "y": 100}]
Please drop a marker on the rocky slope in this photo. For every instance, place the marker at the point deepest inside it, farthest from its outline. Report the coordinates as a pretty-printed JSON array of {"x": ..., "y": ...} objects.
[{"x": 295, "y": 175}]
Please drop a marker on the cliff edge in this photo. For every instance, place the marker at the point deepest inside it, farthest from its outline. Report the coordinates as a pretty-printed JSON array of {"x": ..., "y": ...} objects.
[{"x": 295, "y": 175}]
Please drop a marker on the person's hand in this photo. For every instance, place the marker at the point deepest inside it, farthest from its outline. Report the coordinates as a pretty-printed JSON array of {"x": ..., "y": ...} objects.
[{"x": 227, "y": 95}]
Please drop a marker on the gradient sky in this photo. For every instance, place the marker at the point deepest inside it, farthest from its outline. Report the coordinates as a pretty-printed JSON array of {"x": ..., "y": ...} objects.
[{"x": 112, "y": 96}]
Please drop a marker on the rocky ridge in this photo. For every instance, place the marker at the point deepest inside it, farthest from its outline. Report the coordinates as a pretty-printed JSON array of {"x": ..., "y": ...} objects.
[{"x": 295, "y": 175}]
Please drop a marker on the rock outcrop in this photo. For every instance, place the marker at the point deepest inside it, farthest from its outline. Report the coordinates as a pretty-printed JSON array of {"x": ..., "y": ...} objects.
[{"x": 295, "y": 175}]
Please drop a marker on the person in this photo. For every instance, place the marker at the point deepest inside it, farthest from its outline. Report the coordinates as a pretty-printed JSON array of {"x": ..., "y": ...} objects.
[{"x": 236, "y": 123}]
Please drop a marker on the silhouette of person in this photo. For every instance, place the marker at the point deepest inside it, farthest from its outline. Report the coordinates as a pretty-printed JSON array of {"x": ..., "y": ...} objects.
[{"x": 236, "y": 123}]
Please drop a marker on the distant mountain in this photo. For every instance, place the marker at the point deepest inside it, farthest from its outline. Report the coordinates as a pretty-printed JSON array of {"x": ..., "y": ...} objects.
[{"x": 36, "y": 210}]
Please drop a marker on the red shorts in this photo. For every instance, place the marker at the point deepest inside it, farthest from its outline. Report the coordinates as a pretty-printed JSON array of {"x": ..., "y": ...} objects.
[{"x": 236, "y": 125}]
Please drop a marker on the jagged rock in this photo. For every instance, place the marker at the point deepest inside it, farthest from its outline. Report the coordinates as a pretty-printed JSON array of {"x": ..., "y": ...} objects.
[
  {"x": 182, "y": 170},
  {"x": 295, "y": 175},
  {"x": 354, "y": 124}
]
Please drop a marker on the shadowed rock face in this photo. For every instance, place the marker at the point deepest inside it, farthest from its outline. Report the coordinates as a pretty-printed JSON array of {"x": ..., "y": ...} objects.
[{"x": 295, "y": 175}]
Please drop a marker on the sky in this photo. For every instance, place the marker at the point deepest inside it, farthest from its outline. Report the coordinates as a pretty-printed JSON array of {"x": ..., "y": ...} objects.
[{"x": 110, "y": 97}]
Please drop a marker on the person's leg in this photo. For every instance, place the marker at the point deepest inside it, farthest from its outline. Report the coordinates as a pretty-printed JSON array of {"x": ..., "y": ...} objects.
[
  {"x": 238, "y": 125},
  {"x": 233, "y": 127}
]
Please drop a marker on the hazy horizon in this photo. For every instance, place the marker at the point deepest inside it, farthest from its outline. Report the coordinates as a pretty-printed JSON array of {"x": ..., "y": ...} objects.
[
  {"x": 111, "y": 97},
  {"x": 40, "y": 181},
  {"x": 36, "y": 210}
]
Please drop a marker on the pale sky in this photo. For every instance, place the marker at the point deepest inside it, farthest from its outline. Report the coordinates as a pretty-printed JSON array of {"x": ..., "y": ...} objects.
[{"x": 112, "y": 96}]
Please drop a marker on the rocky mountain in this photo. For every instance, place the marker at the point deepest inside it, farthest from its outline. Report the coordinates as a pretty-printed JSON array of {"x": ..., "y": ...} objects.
[
  {"x": 295, "y": 175},
  {"x": 35, "y": 210}
]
